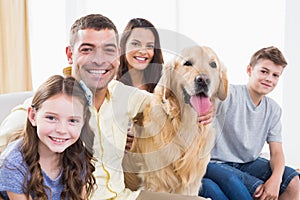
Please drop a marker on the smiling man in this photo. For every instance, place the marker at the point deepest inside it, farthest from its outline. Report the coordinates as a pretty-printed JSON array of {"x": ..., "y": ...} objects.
[{"x": 94, "y": 56}]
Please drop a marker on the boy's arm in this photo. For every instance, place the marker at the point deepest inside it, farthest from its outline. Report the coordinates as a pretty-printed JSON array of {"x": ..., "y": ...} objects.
[
  {"x": 277, "y": 161},
  {"x": 272, "y": 185}
]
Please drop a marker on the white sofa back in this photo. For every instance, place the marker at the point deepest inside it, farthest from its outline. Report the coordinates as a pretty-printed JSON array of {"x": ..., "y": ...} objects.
[{"x": 10, "y": 100}]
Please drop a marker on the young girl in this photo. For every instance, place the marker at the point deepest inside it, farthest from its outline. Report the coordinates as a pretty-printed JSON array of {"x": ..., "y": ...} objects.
[{"x": 53, "y": 159}]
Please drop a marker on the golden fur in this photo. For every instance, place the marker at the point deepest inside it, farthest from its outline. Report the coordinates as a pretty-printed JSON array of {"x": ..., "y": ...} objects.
[{"x": 171, "y": 149}]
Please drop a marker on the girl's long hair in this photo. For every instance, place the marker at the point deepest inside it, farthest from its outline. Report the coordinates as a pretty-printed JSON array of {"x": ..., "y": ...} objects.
[
  {"x": 76, "y": 161},
  {"x": 153, "y": 71}
]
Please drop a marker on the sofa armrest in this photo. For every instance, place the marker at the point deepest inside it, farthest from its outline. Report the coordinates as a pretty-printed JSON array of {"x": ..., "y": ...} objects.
[{"x": 10, "y": 100}]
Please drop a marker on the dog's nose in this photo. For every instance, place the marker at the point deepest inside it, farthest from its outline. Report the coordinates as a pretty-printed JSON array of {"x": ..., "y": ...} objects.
[{"x": 202, "y": 80}]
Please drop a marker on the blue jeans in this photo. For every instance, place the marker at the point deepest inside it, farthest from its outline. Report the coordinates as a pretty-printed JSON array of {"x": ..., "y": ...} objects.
[
  {"x": 257, "y": 172},
  {"x": 221, "y": 184},
  {"x": 211, "y": 190}
]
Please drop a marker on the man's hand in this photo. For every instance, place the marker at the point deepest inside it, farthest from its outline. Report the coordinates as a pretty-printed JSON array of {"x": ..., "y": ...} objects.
[{"x": 208, "y": 116}]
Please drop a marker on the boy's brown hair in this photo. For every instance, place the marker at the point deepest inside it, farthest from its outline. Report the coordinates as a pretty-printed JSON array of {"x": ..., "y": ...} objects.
[{"x": 270, "y": 53}]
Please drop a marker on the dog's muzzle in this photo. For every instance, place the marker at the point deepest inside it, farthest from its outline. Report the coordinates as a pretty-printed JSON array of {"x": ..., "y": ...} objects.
[
  {"x": 199, "y": 100},
  {"x": 202, "y": 83}
]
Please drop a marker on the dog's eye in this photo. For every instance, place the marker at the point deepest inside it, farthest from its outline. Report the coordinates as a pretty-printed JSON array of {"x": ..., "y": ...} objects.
[
  {"x": 213, "y": 64},
  {"x": 188, "y": 63}
]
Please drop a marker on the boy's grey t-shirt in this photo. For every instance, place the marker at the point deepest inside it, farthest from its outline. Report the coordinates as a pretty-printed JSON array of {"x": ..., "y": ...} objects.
[
  {"x": 13, "y": 170},
  {"x": 242, "y": 128}
]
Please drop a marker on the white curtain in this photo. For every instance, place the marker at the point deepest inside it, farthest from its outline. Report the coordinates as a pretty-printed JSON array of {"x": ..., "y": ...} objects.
[{"x": 15, "y": 73}]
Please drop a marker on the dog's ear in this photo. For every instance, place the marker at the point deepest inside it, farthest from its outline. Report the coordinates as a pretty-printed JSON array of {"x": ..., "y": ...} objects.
[
  {"x": 223, "y": 86},
  {"x": 165, "y": 80}
]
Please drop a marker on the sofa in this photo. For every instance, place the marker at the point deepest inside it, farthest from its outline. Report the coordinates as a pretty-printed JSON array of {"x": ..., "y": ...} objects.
[{"x": 9, "y": 100}]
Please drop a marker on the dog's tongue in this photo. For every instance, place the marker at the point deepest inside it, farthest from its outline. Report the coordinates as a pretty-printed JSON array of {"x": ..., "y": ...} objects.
[{"x": 200, "y": 104}]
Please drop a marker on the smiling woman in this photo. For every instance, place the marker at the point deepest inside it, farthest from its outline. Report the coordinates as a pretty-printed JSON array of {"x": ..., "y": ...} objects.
[{"x": 141, "y": 55}]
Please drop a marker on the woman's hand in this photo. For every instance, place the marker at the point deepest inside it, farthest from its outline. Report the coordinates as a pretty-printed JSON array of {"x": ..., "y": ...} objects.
[{"x": 129, "y": 141}]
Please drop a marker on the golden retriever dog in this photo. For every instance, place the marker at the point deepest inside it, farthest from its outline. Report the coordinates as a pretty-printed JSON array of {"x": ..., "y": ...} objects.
[{"x": 171, "y": 149}]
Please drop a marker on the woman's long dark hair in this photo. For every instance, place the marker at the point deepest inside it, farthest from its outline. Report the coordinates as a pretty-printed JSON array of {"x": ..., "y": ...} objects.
[
  {"x": 76, "y": 160},
  {"x": 152, "y": 73}
]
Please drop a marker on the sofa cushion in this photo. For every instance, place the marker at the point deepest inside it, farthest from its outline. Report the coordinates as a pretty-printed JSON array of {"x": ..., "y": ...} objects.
[{"x": 10, "y": 100}]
